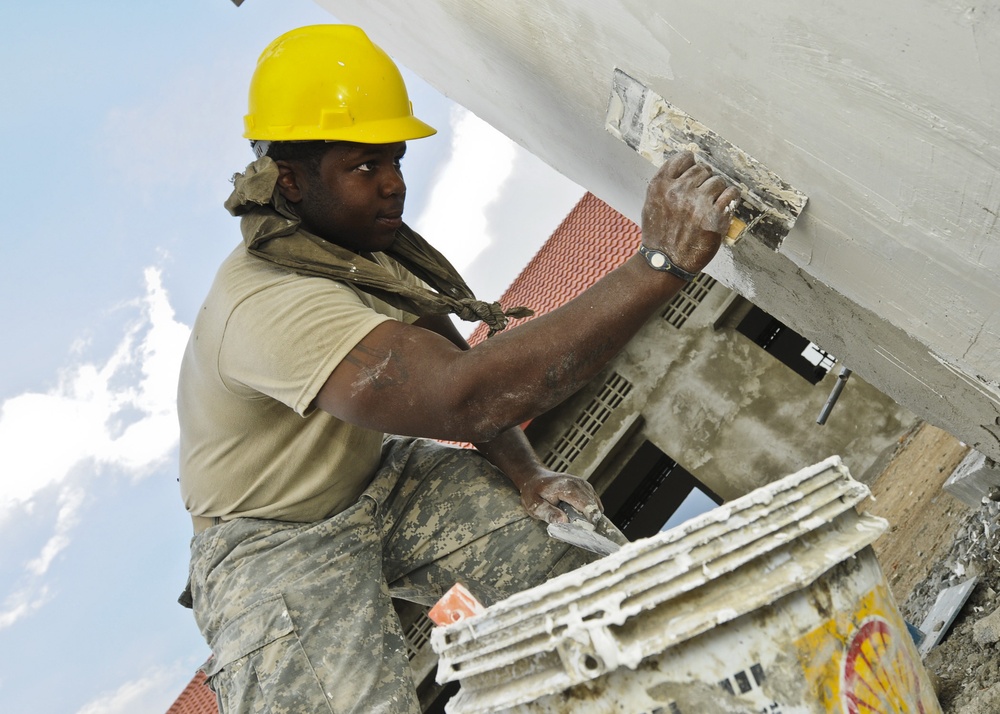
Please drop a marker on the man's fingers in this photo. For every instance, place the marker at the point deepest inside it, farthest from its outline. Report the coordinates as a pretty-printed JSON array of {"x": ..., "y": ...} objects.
[
  {"x": 545, "y": 511},
  {"x": 683, "y": 166},
  {"x": 724, "y": 209},
  {"x": 696, "y": 174},
  {"x": 714, "y": 186},
  {"x": 678, "y": 164},
  {"x": 729, "y": 195},
  {"x": 729, "y": 199},
  {"x": 706, "y": 180},
  {"x": 542, "y": 501},
  {"x": 585, "y": 502}
]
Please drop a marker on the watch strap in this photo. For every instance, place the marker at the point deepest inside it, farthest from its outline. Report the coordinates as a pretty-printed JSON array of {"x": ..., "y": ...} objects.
[{"x": 658, "y": 260}]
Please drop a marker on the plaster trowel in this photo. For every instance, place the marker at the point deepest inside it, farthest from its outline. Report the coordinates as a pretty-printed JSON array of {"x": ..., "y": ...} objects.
[
  {"x": 654, "y": 128},
  {"x": 581, "y": 532}
]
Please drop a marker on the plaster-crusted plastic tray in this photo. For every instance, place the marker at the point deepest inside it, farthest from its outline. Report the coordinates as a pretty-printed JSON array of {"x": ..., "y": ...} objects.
[{"x": 711, "y": 570}]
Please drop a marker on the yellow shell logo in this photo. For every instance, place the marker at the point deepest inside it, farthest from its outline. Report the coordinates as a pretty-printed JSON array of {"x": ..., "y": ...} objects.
[{"x": 879, "y": 675}]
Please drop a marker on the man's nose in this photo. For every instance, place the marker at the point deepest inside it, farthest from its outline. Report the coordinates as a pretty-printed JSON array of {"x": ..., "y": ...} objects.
[{"x": 392, "y": 183}]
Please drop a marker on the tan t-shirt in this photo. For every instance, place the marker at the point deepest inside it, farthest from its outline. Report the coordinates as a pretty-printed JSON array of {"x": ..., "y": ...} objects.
[{"x": 251, "y": 441}]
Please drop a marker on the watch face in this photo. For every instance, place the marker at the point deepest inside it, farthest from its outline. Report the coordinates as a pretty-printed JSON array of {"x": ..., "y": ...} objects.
[{"x": 657, "y": 260}]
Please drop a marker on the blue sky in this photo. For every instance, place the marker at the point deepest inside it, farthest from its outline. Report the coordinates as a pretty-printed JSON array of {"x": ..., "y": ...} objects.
[{"x": 122, "y": 125}]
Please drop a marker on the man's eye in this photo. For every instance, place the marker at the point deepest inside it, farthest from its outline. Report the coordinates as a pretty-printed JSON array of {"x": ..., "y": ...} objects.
[{"x": 367, "y": 166}]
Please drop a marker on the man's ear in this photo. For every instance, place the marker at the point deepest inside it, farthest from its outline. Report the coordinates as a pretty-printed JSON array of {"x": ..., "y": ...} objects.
[{"x": 288, "y": 182}]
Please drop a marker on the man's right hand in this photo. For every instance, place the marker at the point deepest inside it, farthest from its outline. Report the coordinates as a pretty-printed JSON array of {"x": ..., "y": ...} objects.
[{"x": 687, "y": 211}]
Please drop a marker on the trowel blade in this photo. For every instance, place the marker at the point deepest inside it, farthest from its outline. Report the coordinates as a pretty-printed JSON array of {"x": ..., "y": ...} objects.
[
  {"x": 582, "y": 537},
  {"x": 654, "y": 128}
]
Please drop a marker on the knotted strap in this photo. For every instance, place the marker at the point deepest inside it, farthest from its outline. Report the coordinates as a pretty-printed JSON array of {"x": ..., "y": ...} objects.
[{"x": 271, "y": 231}]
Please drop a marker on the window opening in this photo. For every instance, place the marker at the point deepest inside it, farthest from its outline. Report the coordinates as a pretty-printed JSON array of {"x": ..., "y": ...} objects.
[
  {"x": 805, "y": 358},
  {"x": 653, "y": 493}
]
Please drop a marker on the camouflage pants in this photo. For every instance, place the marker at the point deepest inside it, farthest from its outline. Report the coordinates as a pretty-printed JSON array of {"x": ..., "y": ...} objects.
[{"x": 299, "y": 616}]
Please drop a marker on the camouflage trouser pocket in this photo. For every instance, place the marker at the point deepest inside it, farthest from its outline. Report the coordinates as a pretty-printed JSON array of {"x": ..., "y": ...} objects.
[{"x": 259, "y": 665}]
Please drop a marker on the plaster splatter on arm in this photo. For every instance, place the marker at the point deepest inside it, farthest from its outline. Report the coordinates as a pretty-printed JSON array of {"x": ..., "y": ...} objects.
[{"x": 375, "y": 370}]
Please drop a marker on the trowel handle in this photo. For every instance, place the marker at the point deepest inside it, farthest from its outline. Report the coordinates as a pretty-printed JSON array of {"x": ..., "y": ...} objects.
[
  {"x": 575, "y": 517},
  {"x": 736, "y": 228}
]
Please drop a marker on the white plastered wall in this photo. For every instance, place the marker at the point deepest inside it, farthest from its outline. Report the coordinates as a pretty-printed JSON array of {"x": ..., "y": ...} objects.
[{"x": 887, "y": 115}]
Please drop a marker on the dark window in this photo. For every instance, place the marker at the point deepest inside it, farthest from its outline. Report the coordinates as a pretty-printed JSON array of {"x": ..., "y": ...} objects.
[
  {"x": 789, "y": 347},
  {"x": 652, "y": 493}
]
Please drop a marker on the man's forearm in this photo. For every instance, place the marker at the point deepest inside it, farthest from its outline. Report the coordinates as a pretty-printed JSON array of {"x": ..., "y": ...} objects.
[
  {"x": 512, "y": 453},
  {"x": 543, "y": 492}
]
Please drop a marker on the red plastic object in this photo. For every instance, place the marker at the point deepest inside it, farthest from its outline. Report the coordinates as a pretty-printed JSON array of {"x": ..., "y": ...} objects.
[{"x": 456, "y": 605}]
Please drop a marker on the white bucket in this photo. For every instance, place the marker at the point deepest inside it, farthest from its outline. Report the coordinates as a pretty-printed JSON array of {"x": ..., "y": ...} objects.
[{"x": 773, "y": 604}]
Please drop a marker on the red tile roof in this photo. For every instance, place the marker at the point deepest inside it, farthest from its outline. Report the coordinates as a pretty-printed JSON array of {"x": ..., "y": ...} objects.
[
  {"x": 196, "y": 698},
  {"x": 592, "y": 240}
]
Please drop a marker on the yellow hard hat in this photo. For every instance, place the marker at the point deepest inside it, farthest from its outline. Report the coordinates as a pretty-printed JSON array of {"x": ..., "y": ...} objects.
[{"x": 329, "y": 82}]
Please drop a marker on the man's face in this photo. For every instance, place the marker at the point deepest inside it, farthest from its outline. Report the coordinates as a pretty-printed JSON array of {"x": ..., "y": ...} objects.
[{"x": 356, "y": 198}]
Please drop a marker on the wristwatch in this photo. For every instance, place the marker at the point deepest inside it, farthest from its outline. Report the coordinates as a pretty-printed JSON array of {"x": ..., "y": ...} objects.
[{"x": 658, "y": 260}]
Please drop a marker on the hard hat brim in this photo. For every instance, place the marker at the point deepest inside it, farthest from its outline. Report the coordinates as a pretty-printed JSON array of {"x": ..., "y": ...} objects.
[{"x": 386, "y": 131}]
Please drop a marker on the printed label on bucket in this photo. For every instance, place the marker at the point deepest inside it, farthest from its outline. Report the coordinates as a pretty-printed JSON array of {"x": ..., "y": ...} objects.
[
  {"x": 750, "y": 682},
  {"x": 866, "y": 662},
  {"x": 747, "y": 684}
]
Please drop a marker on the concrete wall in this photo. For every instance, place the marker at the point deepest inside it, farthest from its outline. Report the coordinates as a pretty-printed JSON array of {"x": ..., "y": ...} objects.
[
  {"x": 885, "y": 114},
  {"x": 727, "y": 411}
]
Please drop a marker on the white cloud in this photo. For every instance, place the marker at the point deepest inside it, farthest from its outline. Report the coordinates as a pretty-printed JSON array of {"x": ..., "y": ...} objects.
[
  {"x": 118, "y": 414},
  {"x": 71, "y": 499},
  {"x": 482, "y": 159},
  {"x": 22, "y": 603},
  {"x": 154, "y": 692}
]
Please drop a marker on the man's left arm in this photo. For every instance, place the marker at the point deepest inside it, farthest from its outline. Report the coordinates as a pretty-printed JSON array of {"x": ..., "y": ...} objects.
[{"x": 541, "y": 489}]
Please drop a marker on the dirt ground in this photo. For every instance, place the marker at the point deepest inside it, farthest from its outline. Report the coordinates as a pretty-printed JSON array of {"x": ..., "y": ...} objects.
[{"x": 936, "y": 541}]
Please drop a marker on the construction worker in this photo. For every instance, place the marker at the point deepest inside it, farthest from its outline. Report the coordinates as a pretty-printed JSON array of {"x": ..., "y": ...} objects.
[{"x": 328, "y": 330}]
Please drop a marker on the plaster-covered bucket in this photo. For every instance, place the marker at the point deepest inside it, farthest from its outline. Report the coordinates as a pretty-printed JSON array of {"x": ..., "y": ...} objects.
[{"x": 773, "y": 603}]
